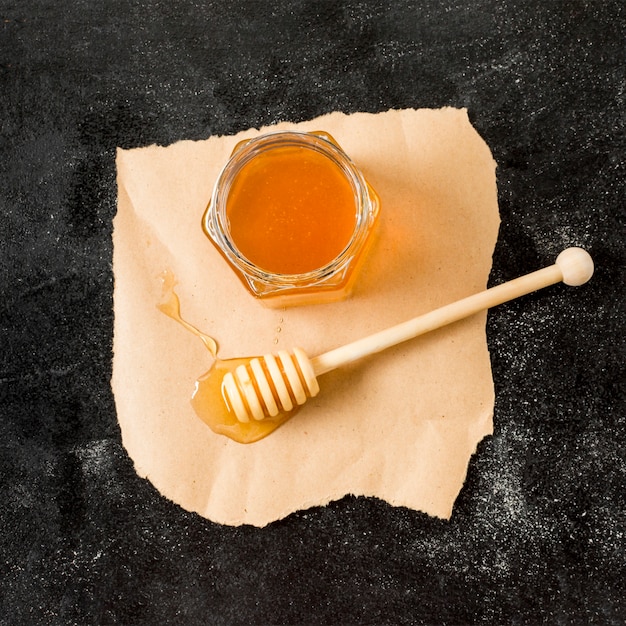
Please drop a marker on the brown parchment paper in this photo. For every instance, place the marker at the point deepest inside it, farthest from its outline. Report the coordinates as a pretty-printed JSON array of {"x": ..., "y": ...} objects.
[{"x": 400, "y": 426}]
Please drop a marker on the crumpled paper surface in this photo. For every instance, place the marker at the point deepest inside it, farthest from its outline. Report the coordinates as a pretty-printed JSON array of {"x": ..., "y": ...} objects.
[{"x": 401, "y": 425}]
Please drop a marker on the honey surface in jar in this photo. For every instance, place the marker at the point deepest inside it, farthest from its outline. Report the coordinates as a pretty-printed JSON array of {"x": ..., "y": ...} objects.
[{"x": 291, "y": 210}]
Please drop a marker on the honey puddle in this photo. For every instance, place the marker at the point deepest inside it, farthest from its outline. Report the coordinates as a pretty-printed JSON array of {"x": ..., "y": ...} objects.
[{"x": 208, "y": 399}]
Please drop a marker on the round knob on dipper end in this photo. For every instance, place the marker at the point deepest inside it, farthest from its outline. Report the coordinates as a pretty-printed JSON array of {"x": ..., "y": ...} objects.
[{"x": 576, "y": 265}]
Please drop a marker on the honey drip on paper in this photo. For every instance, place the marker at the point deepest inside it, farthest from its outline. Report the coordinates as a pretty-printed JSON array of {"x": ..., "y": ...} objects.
[{"x": 208, "y": 399}]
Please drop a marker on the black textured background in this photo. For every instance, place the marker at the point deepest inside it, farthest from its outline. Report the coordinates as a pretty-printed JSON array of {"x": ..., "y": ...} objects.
[{"x": 537, "y": 534}]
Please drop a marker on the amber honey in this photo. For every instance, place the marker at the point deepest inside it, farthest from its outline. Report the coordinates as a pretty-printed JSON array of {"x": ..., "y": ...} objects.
[
  {"x": 210, "y": 406},
  {"x": 291, "y": 210},
  {"x": 208, "y": 399},
  {"x": 292, "y": 215}
]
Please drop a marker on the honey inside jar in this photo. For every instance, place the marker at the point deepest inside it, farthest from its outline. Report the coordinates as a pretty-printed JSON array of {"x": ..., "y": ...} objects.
[
  {"x": 291, "y": 210},
  {"x": 293, "y": 216}
]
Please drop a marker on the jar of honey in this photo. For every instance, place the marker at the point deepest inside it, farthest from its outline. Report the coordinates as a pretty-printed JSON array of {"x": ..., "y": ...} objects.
[{"x": 293, "y": 216}]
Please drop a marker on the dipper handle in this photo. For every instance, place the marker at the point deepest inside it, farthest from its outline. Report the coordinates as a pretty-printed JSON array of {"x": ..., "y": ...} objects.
[
  {"x": 573, "y": 266},
  {"x": 270, "y": 385}
]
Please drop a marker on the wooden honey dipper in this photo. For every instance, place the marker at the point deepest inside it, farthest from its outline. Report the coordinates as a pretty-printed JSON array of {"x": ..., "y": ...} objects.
[{"x": 266, "y": 386}]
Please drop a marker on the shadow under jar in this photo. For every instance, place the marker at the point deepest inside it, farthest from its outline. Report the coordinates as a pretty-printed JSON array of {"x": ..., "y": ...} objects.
[{"x": 293, "y": 216}]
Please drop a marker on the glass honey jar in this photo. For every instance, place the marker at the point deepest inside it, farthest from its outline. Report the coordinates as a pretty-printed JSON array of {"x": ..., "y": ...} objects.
[{"x": 293, "y": 216}]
